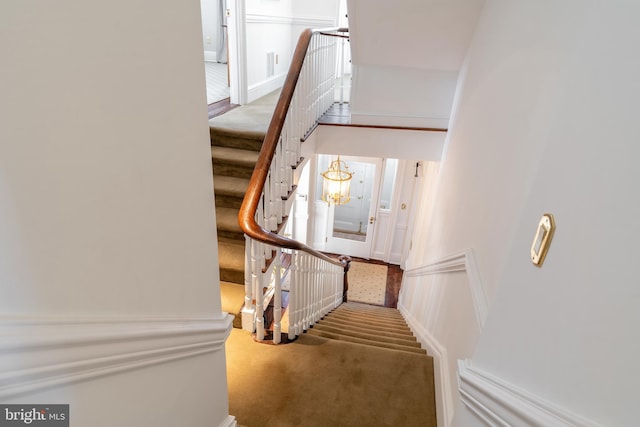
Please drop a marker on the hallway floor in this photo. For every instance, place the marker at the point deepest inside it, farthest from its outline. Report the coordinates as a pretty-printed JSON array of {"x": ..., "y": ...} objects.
[{"x": 217, "y": 81}]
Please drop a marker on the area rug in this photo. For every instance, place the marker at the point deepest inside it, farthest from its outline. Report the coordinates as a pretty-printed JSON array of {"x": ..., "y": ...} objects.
[{"x": 367, "y": 283}]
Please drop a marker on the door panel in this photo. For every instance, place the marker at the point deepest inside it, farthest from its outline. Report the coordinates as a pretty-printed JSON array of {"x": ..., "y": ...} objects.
[{"x": 350, "y": 227}]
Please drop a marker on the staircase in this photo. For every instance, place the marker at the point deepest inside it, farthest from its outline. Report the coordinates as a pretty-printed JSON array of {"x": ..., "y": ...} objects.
[
  {"x": 236, "y": 139},
  {"x": 369, "y": 325},
  {"x": 358, "y": 366}
]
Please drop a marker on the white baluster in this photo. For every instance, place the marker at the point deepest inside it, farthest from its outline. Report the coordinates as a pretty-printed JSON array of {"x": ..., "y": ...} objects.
[
  {"x": 248, "y": 312},
  {"x": 277, "y": 299}
]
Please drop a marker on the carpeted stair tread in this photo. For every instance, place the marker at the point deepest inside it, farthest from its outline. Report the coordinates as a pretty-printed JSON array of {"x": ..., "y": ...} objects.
[
  {"x": 373, "y": 325},
  {"x": 355, "y": 340},
  {"x": 231, "y": 258},
  {"x": 393, "y": 333},
  {"x": 371, "y": 310},
  {"x": 371, "y": 336},
  {"x": 244, "y": 127},
  {"x": 370, "y": 307},
  {"x": 351, "y": 384},
  {"x": 232, "y": 295},
  {"x": 379, "y": 315},
  {"x": 229, "y": 191},
  {"x": 367, "y": 320},
  {"x": 230, "y": 186},
  {"x": 227, "y": 222},
  {"x": 375, "y": 319},
  {"x": 233, "y": 161},
  {"x": 367, "y": 316}
]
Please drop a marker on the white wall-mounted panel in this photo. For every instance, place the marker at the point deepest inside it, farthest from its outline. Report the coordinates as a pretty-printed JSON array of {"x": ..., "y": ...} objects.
[
  {"x": 428, "y": 34},
  {"x": 402, "y": 96},
  {"x": 383, "y": 143}
]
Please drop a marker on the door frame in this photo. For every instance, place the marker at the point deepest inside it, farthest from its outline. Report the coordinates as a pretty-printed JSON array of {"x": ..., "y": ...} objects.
[{"x": 237, "y": 61}]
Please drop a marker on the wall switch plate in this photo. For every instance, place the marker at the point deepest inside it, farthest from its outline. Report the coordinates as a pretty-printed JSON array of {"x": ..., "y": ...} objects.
[{"x": 542, "y": 240}]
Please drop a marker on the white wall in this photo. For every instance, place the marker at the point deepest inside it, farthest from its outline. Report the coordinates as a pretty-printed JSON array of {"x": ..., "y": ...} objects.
[
  {"x": 406, "y": 58},
  {"x": 209, "y": 14},
  {"x": 108, "y": 239},
  {"x": 275, "y": 27},
  {"x": 546, "y": 122},
  {"x": 382, "y": 143}
]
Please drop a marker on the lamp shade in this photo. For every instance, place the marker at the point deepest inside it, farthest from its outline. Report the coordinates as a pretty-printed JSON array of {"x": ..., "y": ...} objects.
[{"x": 336, "y": 184}]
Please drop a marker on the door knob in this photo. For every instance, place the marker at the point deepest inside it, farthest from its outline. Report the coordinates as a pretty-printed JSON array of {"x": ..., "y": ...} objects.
[{"x": 372, "y": 220}]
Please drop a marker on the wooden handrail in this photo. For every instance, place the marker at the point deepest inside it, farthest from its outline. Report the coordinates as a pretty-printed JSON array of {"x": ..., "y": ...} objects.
[{"x": 247, "y": 215}]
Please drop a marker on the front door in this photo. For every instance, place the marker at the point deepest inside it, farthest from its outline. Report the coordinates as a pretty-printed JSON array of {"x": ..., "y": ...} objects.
[{"x": 350, "y": 227}]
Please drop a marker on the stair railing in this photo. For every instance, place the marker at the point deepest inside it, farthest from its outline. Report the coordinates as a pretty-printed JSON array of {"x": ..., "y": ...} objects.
[{"x": 317, "y": 283}]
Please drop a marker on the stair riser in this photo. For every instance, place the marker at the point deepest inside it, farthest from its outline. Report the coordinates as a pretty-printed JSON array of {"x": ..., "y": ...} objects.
[
  {"x": 371, "y": 337},
  {"x": 388, "y": 317},
  {"x": 365, "y": 342},
  {"x": 369, "y": 320},
  {"x": 233, "y": 276},
  {"x": 228, "y": 201},
  {"x": 235, "y": 142},
  {"x": 358, "y": 323},
  {"x": 376, "y": 331},
  {"x": 227, "y": 169},
  {"x": 233, "y": 235}
]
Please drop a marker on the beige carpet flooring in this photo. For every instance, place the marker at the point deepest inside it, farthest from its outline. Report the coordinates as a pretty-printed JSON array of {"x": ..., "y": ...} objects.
[
  {"x": 317, "y": 382},
  {"x": 367, "y": 282}
]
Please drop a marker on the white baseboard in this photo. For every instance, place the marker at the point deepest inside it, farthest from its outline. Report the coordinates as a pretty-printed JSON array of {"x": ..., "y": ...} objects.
[
  {"x": 498, "y": 403},
  {"x": 443, "y": 386},
  {"x": 42, "y": 352},
  {"x": 230, "y": 421},
  {"x": 210, "y": 56},
  {"x": 265, "y": 87}
]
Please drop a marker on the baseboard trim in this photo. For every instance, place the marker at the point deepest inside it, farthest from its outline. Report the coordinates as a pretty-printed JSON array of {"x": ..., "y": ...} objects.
[
  {"x": 230, "y": 421},
  {"x": 444, "y": 389},
  {"x": 42, "y": 352},
  {"x": 498, "y": 403},
  {"x": 460, "y": 262},
  {"x": 210, "y": 56},
  {"x": 265, "y": 87}
]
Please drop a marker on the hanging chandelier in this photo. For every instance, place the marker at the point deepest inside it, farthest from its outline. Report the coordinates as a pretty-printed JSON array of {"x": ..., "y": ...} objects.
[{"x": 336, "y": 183}]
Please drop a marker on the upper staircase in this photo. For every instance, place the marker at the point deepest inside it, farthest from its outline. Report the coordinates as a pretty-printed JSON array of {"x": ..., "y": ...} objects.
[{"x": 236, "y": 139}]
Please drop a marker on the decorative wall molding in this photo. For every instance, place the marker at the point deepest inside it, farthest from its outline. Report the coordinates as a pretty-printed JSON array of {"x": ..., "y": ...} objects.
[
  {"x": 459, "y": 262},
  {"x": 260, "y": 18},
  {"x": 444, "y": 389},
  {"x": 312, "y": 22},
  {"x": 42, "y": 352},
  {"x": 499, "y": 403}
]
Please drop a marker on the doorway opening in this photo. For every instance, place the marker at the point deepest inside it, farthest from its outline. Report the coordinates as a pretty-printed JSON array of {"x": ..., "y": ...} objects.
[{"x": 215, "y": 33}]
